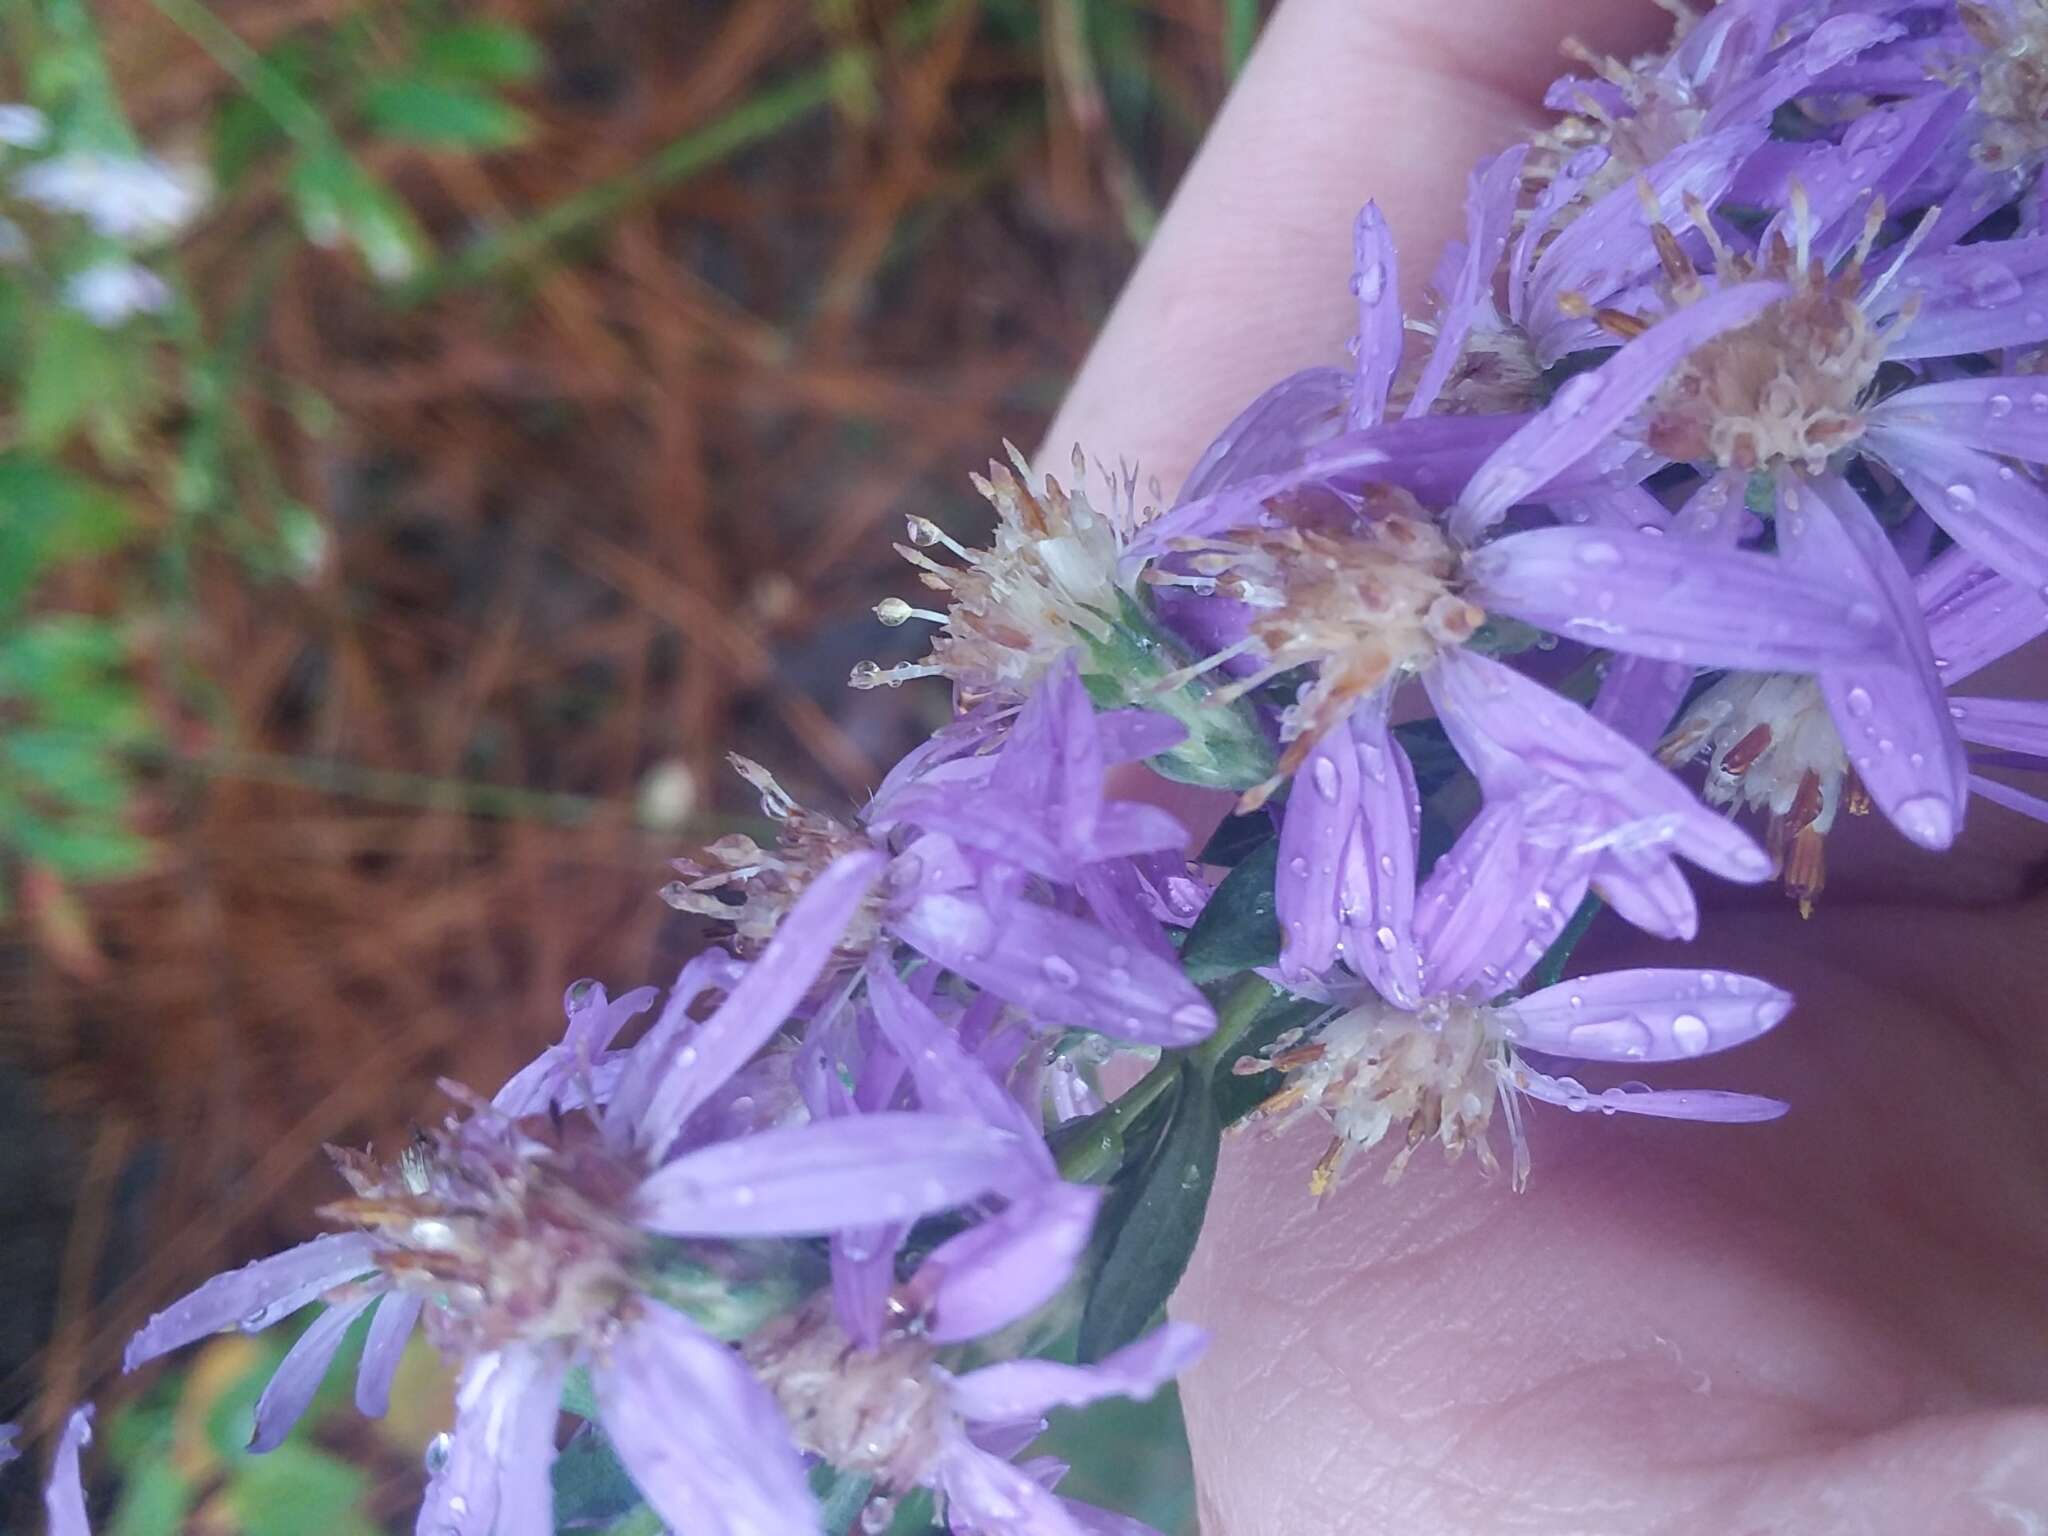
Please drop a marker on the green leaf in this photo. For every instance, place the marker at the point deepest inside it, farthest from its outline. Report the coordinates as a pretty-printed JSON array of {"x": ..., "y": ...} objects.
[
  {"x": 87, "y": 851},
  {"x": 1235, "y": 1096},
  {"x": 421, "y": 110},
  {"x": 1156, "y": 1223},
  {"x": 1234, "y": 837},
  {"x": 1238, "y": 930},
  {"x": 49, "y": 515},
  {"x": 74, "y": 369},
  {"x": 592, "y": 1486},
  {"x": 338, "y": 201},
  {"x": 487, "y": 52},
  {"x": 296, "y": 1489},
  {"x": 71, "y": 767},
  {"x": 155, "y": 1498}
]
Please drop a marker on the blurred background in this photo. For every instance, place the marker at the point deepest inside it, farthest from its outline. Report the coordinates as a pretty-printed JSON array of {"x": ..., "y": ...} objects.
[{"x": 431, "y": 436}]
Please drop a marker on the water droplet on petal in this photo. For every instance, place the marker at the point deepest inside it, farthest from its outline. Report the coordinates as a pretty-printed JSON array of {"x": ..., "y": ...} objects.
[
  {"x": 1690, "y": 1034},
  {"x": 1859, "y": 702},
  {"x": 1059, "y": 972},
  {"x": 1385, "y": 937},
  {"x": 1927, "y": 819},
  {"x": 1324, "y": 774},
  {"x": 2000, "y": 406},
  {"x": 1962, "y": 497},
  {"x": 1298, "y": 867},
  {"x": 1597, "y": 554},
  {"x": 437, "y": 1451}
]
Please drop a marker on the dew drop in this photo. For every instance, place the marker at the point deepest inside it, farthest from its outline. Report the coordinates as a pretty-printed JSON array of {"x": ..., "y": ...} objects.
[
  {"x": 1575, "y": 396},
  {"x": 1385, "y": 938},
  {"x": 1324, "y": 774},
  {"x": 436, "y": 1456},
  {"x": 1371, "y": 282},
  {"x": 1059, "y": 972},
  {"x": 2000, "y": 406},
  {"x": 1690, "y": 1034},
  {"x": 1598, "y": 554},
  {"x": 1988, "y": 284},
  {"x": 256, "y": 1321},
  {"x": 1298, "y": 866},
  {"x": 742, "y": 1194},
  {"x": 1859, "y": 703},
  {"x": 1962, "y": 497}
]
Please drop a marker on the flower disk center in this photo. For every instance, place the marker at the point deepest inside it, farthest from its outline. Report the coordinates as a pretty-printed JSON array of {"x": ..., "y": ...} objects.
[
  {"x": 1786, "y": 389},
  {"x": 519, "y": 1237},
  {"x": 881, "y": 1412}
]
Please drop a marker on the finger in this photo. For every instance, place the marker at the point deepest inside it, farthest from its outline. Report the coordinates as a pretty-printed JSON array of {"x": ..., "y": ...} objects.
[{"x": 1247, "y": 278}]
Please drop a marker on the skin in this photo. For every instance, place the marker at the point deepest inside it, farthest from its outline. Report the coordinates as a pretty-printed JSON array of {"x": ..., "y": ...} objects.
[{"x": 1834, "y": 1323}]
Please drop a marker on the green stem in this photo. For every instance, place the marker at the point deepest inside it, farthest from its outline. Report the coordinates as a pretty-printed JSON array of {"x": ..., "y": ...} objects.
[
  {"x": 299, "y": 118},
  {"x": 1095, "y": 1144},
  {"x": 1551, "y": 968}
]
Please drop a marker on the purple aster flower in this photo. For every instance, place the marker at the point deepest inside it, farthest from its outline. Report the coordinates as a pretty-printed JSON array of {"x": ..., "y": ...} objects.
[
  {"x": 1438, "y": 1065},
  {"x": 1047, "y": 584},
  {"x": 1775, "y": 743},
  {"x": 1795, "y": 393},
  {"x": 898, "y": 1415},
  {"x": 1363, "y": 587},
  {"x": 993, "y": 857},
  {"x": 532, "y": 1240}
]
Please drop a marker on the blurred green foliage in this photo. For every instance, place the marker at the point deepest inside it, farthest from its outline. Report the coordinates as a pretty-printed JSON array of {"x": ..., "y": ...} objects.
[{"x": 125, "y": 435}]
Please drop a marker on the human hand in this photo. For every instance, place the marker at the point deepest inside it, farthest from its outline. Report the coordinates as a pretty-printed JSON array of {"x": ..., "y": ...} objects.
[{"x": 1833, "y": 1322}]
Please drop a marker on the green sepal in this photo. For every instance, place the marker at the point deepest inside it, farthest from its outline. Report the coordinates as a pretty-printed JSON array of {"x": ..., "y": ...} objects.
[{"x": 1225, "y": 748}]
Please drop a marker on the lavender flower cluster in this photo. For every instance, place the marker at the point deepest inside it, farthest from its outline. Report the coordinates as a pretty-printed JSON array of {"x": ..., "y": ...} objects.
[{"x": 1720, "y": 437}]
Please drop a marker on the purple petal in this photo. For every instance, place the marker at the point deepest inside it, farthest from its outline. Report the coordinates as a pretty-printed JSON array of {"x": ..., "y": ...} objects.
[
  {"x": 495, "y": 1480},
  {"x": 1638, "y": 697},
  {"x": 1131, "y": 735},
  {"x": 1274, "y": 431},
  {"x": 1494, "y": 902},
  {"x": 690, "y": 1067},
  {"x": 299, "y": 1374},
  {"x": 1006, "y": 1267},
  {"x": 1989, "y": 508},
  {"x": 700, "y": 1436},
  {"x": 1647, "y": 891},
  {"x": 255, "y": 1296},
  {"x": 1375, "y": 279},
  {"x": 863, "y": 1275},
  {"x": 1974, "y": 615},
  {"x": 1646, "y": 1015},
  {"x": 2012, "y": 799},
  {"x": 1674, "y": 600},
  {"x": 986, "y": 1496},
  {"x": 1619, "y": 221},
  {"x": 828, "y": 1176},
  {"x": 1061, "y": 969},
  {"x": 950, "y": 1079},
  {"x": 1893, "y": 719},
  {"x": 1489, "y": 212},
  {"x": 594, "y": 1022},
  {"x": 1711, "y": 1104},
  {"x": 9, "y": 1451},
  {"x": 2002, "y": 415},
  {"x": 1024, "y": 1389},
  {"x": 1978, "y": 298},
  {"x": 1378, "y": 890},
  {"x": 1542, "y": 738},
  {"x": 2017, "y": 725},
  {"x": 1314, "y": 825},
  {"x": 64, "y": 1495},
  {"x": 390, "y": 1329}
]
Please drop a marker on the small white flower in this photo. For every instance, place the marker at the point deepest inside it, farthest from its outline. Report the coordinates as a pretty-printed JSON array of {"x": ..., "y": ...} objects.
[
  {"x": 138, "y": 199},
  {"x": 109, "y": 292},
  {"x": 22, "y": 126}
]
